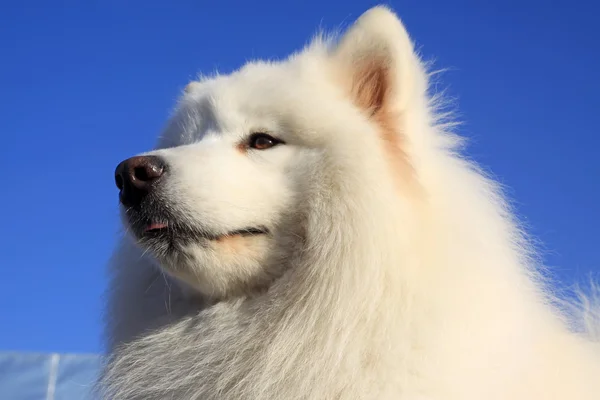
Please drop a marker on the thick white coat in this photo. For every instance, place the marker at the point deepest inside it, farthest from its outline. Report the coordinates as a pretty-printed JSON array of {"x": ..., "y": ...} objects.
[{"x": 394, "y": 269}]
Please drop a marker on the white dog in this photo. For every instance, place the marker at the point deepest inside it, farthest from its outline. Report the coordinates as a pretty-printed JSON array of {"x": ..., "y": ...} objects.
[{"x": 307, "y": 229}]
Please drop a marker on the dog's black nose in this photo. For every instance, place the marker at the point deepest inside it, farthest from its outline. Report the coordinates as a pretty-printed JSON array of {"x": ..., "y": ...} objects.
[{"x": 137, "y": 176}]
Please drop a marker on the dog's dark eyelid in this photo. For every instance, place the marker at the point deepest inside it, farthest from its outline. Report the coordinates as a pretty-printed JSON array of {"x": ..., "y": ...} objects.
[{"x": 271, "y": 141}]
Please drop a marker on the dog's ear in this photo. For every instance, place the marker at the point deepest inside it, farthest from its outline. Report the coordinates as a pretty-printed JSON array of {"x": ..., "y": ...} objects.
[
  {"x": 375, "y": 60},
  {"x": 378, "y": 68}
]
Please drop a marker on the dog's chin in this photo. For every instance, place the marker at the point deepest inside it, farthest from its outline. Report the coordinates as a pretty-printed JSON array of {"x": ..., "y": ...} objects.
[
  {"x": 216, "y": 263},
  {"x": 216, "y": 267}
]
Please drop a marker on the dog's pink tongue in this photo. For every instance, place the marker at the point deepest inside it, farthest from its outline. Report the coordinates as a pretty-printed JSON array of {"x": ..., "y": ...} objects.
[{"x": 156, "y": 225}]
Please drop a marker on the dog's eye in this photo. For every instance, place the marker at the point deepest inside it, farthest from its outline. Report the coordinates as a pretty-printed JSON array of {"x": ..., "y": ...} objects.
[{"x": 262, "y": 141}]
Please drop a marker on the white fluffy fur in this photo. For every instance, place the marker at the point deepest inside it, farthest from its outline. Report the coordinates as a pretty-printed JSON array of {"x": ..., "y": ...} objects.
[{"x": 375, "y": 283}]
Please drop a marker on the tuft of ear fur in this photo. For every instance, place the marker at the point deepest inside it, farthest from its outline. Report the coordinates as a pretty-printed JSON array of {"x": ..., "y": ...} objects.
[
  {"x": 191, "y": 86},
  {"x": 377, "y": 60},
  {"x": 583, "y": 307}
]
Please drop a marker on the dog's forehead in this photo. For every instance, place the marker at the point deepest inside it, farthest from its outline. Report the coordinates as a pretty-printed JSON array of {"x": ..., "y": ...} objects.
[
  {"x": 257, "y": 95},
  {"x": 220, "y": 106},
  {"x": 255, "y": 86}
]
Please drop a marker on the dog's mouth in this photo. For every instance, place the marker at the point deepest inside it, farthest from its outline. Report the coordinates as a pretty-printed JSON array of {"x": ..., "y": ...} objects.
[{"x": 164, "y": 230}]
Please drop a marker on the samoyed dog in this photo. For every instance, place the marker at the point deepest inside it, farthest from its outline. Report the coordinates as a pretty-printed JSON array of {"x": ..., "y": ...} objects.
[{"x": 309, "y": 229}]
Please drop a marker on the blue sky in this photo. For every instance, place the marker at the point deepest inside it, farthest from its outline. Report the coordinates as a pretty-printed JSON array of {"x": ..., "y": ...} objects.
[{"x": 84, "y": 85}]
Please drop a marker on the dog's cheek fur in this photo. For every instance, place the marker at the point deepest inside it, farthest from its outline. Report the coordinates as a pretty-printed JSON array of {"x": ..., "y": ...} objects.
[{"x": 215, "y": 187}]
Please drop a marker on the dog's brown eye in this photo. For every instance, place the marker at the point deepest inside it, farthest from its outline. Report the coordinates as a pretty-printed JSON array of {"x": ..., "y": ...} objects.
[{"x": 262, "y": 141}]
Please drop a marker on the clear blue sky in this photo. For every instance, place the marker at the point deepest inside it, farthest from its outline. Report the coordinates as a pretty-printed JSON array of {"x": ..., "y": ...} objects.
[{"x": 84, "y": 84}]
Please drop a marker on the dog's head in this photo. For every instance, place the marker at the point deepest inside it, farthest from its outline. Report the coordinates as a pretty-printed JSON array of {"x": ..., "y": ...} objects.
[{"x": 247, "y": 158}]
